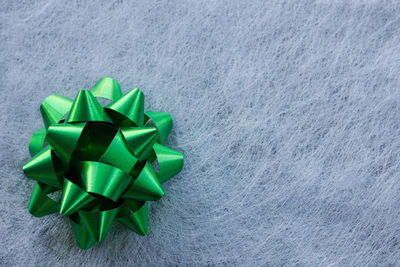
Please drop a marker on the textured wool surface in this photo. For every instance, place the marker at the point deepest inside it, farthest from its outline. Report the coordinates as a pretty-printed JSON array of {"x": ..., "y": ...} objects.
[{"x": 287, "y": 113}]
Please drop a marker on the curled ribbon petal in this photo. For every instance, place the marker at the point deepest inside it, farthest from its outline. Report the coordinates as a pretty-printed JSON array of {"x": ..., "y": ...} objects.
[
  {"x": 53, "y": 109},
  {"x": 98, "y": 159}
]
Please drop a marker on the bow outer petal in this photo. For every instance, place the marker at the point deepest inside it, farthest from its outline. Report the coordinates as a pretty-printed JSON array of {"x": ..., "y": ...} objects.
[
  {"x": 107, "y": 88},
  {"x": 54, "y": 108},
  {"x": 37, "y": 141},
  {"x": 128, "y": 110}
]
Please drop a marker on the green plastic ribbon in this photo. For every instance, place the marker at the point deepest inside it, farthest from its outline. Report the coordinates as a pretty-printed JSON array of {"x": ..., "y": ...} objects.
[{"x": 101, "y": 159}]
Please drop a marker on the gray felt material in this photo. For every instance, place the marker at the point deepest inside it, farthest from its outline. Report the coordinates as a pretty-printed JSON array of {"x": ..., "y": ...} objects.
[{"x": 287, "y": 113}]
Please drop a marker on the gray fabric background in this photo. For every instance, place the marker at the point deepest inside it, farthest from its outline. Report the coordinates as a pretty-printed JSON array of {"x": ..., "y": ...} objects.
[{"x": 287, "y": 114}]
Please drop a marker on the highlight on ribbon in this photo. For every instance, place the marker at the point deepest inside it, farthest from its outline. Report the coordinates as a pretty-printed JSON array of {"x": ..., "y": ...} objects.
[{"x": 100, "y": 158}]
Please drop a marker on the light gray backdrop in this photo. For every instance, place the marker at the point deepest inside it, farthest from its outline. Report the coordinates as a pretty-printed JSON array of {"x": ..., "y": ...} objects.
[{"x": 287, "y": 113}]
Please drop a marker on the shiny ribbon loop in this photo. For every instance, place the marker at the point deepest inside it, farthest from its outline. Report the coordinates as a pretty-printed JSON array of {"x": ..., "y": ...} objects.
[{"x": 99, "y": 159}]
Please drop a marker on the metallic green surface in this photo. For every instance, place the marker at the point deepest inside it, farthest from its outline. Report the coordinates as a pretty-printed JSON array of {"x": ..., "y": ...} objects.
[
  {"x": 140, "y": 140},
  {"x": 146, "y": 186},
  {"x": 118, "y": 154},
  {"x": 163, "y": 122},
  {"x": 107, "y": 88},
  {"x": 74, "y": 198},
  {"x": 41, "y": 168},
  {"x": 99, "y": 158},
  {"x": 128, "y": 110},
  {"x": 85, "y": 108},
  {"x": 37, "y": 141},
  {"x": 98, "y": 222},
  {"x": 103, "y": 179},
  {"x": 63, "y": 139},
  {"x": 40, "y": 204},
  {"x": 134, "y": 215},
  {"x": 53, "y": 109},
  {"x": 170, "y": 162}
]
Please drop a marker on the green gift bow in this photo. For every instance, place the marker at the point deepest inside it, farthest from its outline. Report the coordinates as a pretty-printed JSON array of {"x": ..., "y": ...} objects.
[{"x": 100, "y": 158}]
